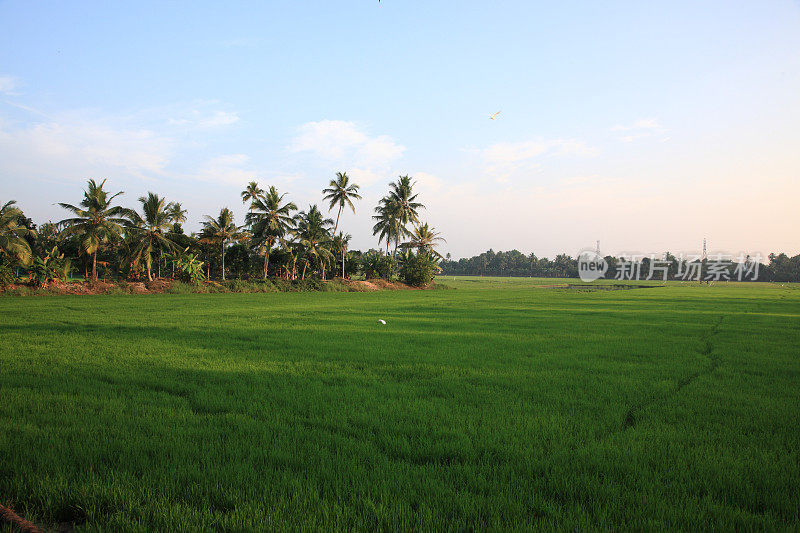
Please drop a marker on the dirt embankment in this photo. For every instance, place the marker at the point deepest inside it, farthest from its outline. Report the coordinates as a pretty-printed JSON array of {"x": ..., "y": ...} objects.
[
  {"x": 379, "y": 285},
  {"x": 160, "y": 286}
]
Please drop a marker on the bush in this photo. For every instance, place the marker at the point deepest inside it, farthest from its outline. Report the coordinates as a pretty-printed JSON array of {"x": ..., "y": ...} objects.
[
  {"x": 6, "y": 276},
  {"x": 418, "y": 269},
  {"x": 377, "y": 265}
]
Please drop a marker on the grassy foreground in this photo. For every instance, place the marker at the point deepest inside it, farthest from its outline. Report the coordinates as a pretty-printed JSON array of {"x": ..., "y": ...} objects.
[{"x": 495, "y": 405}]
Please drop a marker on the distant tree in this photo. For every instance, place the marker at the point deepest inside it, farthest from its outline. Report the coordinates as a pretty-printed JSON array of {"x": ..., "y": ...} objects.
[
  {"x": 221, "y": 230},
  {"x": 270, "y": 219},
  {"x": 401, "y": 193},
  {"x": 424, "y": 238},
  {"x": 251, "y": 193},
  {"x": 148, "y": 232},
  {"x": 96, "y": 222},
  {"x": 395, "y": 211},
  {"x": 339, "y": 246},
  {"x": 314, "y": 237},
  {"x": 13, "y": 237},
  {"x": 387, "y": 223},
  {"x": 341, "y": 192}
]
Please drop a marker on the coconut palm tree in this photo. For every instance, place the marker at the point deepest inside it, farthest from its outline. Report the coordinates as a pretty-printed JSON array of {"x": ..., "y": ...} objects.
[
  {"x": 401, "y": 194},
  {"x": 424, "y": 238},
  {"x": 392, "y": 219},
  {"x": 340, "y": 192},
  {"x": 339, "y": 245},
  {"x": 148, "y": 231},
  {"x": 176, "y": 212},
  {"x": 12, "y": 234},
  {"x": 386, "y": 222},
  {"x": 96, "y": 221},
  {"x": 270, "y": 219},
  {"x": 251, "y": 193},
  {"x": 221, "y": 230},
  {"x": 313, "y": 235}
]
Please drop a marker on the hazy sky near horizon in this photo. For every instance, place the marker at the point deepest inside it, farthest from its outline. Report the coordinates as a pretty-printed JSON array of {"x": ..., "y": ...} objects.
[{"x": 646, "y": 125}]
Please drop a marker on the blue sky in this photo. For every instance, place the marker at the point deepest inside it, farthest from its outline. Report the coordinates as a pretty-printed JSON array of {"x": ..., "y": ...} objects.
[{"x": 646, "y": 125}]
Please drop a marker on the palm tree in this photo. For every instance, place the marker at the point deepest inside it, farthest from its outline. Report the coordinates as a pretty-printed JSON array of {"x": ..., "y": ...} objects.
[
  {"x": 221, "y": 230},
  {"x": 424, "y": 238},
  {"x": 96, "y": 221},
  {"x": 12, "y": 235},
  {"x": 386, "y": 226},
  {"x": 340, "y": 192},
  {"x": 270, "y": 219},
  {"x": 148, "y": 231},
  {"x": 176, "y": 212},
  {"x": 251, "y": 193},
  {"x": 339, "y": 245},
  {"x": 312, "y": 232},
  {"x": 401, "y": 194}
]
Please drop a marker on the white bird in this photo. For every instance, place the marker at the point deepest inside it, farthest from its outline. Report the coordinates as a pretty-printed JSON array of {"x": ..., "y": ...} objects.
[
  {"x": 492, "y": 117},
  {"x": 382, "y": 321}
]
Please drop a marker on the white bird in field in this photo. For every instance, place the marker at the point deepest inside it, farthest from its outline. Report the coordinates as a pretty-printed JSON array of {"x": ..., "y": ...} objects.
[
  {"x": 382, "y": 321},
  {"x": 492, "y": 117}
]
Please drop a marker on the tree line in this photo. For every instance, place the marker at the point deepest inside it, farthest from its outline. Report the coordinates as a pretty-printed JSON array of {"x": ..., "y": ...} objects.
[
  {"x": 780, "y": 267},
  {"x": 103, "y": 239}
]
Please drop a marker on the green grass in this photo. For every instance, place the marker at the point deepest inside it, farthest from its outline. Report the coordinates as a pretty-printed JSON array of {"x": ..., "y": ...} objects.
[{"x": 496, "y": 405}]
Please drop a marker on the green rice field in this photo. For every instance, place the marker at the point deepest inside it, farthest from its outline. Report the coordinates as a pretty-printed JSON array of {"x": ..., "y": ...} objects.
[{"x": 499, "y": 404}]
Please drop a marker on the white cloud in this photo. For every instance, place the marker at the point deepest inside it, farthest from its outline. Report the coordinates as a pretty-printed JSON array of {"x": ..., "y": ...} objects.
[
  {"x": 427, "y": 183},
  {"x": 227, "y": 168},
  {"x": 641, "y": 124},
  {"x": 344, "y": 143},
  {"x": 642, "y": 128},
  {"x": 502, "y": 160},
  {"x": 77, "y": 145},
  {"x": 8, "y": 84},
  {"x": 197, "y": 118}
]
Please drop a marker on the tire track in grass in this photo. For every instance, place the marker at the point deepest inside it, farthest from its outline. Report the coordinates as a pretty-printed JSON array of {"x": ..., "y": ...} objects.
[{"x": 633, "y": 413}]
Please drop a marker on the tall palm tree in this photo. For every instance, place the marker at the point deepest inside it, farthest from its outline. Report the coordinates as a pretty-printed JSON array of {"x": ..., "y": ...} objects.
[
  {"x": 340, "y": 192},
  {"x": 387, "y": 225},
  {"x": 176, "y": 212},
  {"x": 339, "y": 245},
  {"x": 221, "y": 230},
  {"x": 148, "y": 231},
  {"x": 96, "y": 221},
  {"x": 401, "y": 194},
  {"x": 270, "y": 219},
  {"x": 12, "y": 234},
  {"x": 313, "y": 233},
  {"x": 251, "y": 193},
  {"x": 424, "y": 238}
]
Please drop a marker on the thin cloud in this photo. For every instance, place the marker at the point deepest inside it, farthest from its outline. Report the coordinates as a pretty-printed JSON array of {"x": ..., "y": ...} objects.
[
  {"x": 8, "y": 84},
  {"x": 641, "y": 124},
  {"x": 642, "y": 128},
  {"x": 345, "y": 144},
  {"x": 203, "y": 119},
  {"x": 503, "y": 160}
]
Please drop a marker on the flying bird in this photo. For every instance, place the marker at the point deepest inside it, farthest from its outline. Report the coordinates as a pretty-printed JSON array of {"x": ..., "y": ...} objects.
[{"x": 494, "y": 116}]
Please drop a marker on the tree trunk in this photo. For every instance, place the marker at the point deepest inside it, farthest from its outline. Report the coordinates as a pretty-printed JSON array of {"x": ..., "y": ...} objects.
[
  {"x": 94, "y": 266},
  {"x": 343, "y": 252},
  {"x": 223, "y": 260},
  {"x": 305, "y": 266},
  {"x": 266, "y": 262},
  {"x": 337, "y": 220}
]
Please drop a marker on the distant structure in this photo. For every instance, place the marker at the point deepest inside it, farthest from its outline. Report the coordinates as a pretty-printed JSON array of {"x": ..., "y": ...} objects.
[{"x": 705, "y": 251}]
